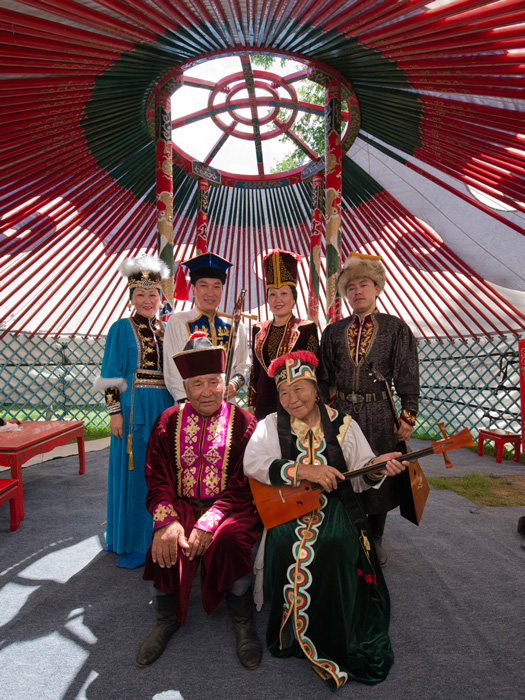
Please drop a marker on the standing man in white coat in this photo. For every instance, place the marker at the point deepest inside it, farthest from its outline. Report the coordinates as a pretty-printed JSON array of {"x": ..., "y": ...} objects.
[{"x": 207, "y": 276}]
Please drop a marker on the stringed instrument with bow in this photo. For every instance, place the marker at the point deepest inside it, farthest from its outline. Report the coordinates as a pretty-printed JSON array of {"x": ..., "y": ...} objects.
[
  {"x": 237, "y": 313},
  {"x": 280, "y": 504}
]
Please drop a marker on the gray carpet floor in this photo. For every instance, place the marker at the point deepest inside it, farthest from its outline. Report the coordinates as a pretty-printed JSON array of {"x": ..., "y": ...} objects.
[{"x": 71, "y": 621}]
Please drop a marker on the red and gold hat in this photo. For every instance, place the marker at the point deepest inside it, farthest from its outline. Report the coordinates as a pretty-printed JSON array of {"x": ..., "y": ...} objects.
[
  {"x": 293, "y": 366},
  {"x": 200, "y": 357},
  {"x": 280, "y": 268}
]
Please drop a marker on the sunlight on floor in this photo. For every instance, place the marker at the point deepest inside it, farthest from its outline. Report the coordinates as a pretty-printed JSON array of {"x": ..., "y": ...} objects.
[
  {"x": 62, "y": 565},
  {"x": 13, "y": 597},
  {"x": 40, "y": 679},
  {"x": 77, "y": 627}
]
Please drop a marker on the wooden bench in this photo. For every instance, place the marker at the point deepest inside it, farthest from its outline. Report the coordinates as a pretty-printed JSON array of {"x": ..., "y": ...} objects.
[
  {"x": 500, "y": 437},
  {"x": 29, "y": 439}
]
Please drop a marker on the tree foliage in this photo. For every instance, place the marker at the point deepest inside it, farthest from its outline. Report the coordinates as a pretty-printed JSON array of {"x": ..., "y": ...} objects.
[{"x": 309, "y": 127}]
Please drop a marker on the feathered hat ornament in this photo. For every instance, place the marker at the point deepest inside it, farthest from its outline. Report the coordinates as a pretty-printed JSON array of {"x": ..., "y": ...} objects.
[{"x": 145, "y": 272}]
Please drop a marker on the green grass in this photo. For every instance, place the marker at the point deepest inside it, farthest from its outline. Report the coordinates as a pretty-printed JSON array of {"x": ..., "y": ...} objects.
[
  {"x": 483, "y": 489},
  {"x": 96, "y": 421},
  {"x": 96, "y": 433}
]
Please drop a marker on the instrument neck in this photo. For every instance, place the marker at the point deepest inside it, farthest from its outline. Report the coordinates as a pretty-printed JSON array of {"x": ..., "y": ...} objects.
[{"x": 410, "y": 457}]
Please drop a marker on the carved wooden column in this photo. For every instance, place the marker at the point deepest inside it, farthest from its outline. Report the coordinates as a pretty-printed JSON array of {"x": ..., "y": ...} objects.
[
  {"x": 201, "y": 243},
  {"x": 316, "y": 230},
  {"x": 333, "y": 182},
  {"x": 164, "y": 185}
]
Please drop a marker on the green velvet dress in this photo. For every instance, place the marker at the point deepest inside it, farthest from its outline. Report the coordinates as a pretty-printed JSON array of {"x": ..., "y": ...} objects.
[{"x": 328, "y": 598}]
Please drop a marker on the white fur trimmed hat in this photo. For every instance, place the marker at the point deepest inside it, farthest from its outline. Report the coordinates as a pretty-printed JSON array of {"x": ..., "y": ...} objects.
[
  {"x": 145, "y": 272},
  {"x": 360, "y": 265}
]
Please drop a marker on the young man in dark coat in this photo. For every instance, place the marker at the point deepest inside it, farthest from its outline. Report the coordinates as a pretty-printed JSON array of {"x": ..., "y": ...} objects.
[{"x": 349, "y": 349}]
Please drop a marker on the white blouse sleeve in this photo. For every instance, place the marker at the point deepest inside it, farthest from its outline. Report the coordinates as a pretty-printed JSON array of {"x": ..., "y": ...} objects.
[
  {"x": 262, "y": 449},
  {"x": 357, "y": 452}
]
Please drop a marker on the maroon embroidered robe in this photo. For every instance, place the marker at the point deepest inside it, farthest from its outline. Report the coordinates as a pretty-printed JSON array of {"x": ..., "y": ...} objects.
[{"x": 194, "y": 474}]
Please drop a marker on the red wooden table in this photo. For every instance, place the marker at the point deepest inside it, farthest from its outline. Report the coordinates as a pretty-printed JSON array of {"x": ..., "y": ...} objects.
[{"x": 33, "y": 438}]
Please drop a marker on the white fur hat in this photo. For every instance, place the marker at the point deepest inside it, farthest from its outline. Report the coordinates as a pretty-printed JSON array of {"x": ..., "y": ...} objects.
[
  {"x": 360, "y": 265},
  {"x": 145, "y": 272}
]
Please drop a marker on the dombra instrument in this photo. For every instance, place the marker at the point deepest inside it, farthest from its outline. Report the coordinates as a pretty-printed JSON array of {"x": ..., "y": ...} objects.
[{"x": 280, "y": 504}]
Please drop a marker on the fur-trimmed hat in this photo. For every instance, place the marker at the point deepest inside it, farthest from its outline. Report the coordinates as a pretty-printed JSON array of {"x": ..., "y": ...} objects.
[
  {"x": 292, "y": 366},
  {"x": 360, "y": 265},
  {"x": 200, "y": 356},
  {"x": 145, "y": 272}
]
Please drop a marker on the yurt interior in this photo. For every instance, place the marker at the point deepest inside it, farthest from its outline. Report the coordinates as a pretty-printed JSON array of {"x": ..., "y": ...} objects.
[{"x": 380, "y": 132}]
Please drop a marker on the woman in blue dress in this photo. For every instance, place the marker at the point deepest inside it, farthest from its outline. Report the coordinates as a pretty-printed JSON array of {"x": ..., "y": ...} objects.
[{"x": 132, "y": 380}]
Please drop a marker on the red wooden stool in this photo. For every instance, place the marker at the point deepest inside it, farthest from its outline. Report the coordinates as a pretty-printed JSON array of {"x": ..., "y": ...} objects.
[
  {"x": 10, "y": 491},
  {"x": 500, "y": 437}
]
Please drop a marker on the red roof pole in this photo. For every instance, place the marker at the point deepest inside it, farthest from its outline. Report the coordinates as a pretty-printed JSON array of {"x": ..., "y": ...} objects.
[
  {"x": 201, "y": 243},
  {"x": 164, "y": 182},
  {"x": 333, "y": 182},
  {"x": 316, "y": 229}
]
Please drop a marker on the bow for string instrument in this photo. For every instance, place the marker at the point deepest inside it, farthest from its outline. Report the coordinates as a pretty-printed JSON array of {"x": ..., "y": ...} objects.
[
  {"x": 279, "y": 504},
  {"x": 412, "y": 486},
  {"x": 230, "y": 350}
]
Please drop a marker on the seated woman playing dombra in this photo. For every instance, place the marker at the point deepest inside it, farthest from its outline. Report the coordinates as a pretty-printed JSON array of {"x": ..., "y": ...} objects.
[{"x": 328, "y": 598}]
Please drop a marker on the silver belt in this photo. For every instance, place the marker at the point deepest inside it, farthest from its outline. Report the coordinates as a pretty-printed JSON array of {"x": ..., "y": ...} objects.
[{"x": 362, "y": 398}]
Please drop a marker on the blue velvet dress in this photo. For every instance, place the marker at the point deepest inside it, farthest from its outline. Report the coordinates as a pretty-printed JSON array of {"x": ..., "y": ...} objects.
[{"x": 133, "y": 358}]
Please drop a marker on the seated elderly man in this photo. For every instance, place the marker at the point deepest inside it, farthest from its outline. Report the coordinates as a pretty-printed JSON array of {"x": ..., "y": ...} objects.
[{"x": 201, "y": 505}]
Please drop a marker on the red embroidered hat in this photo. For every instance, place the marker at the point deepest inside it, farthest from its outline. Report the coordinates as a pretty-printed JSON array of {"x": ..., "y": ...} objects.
[
  {"x": 200, "y": 357},
  {"x": 293, "y": 366}
]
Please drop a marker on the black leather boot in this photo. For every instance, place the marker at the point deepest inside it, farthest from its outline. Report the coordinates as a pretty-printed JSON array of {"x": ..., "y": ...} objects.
[
  {"x": 165, "y": 627},
  {"x": 249, "y": 648}
]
